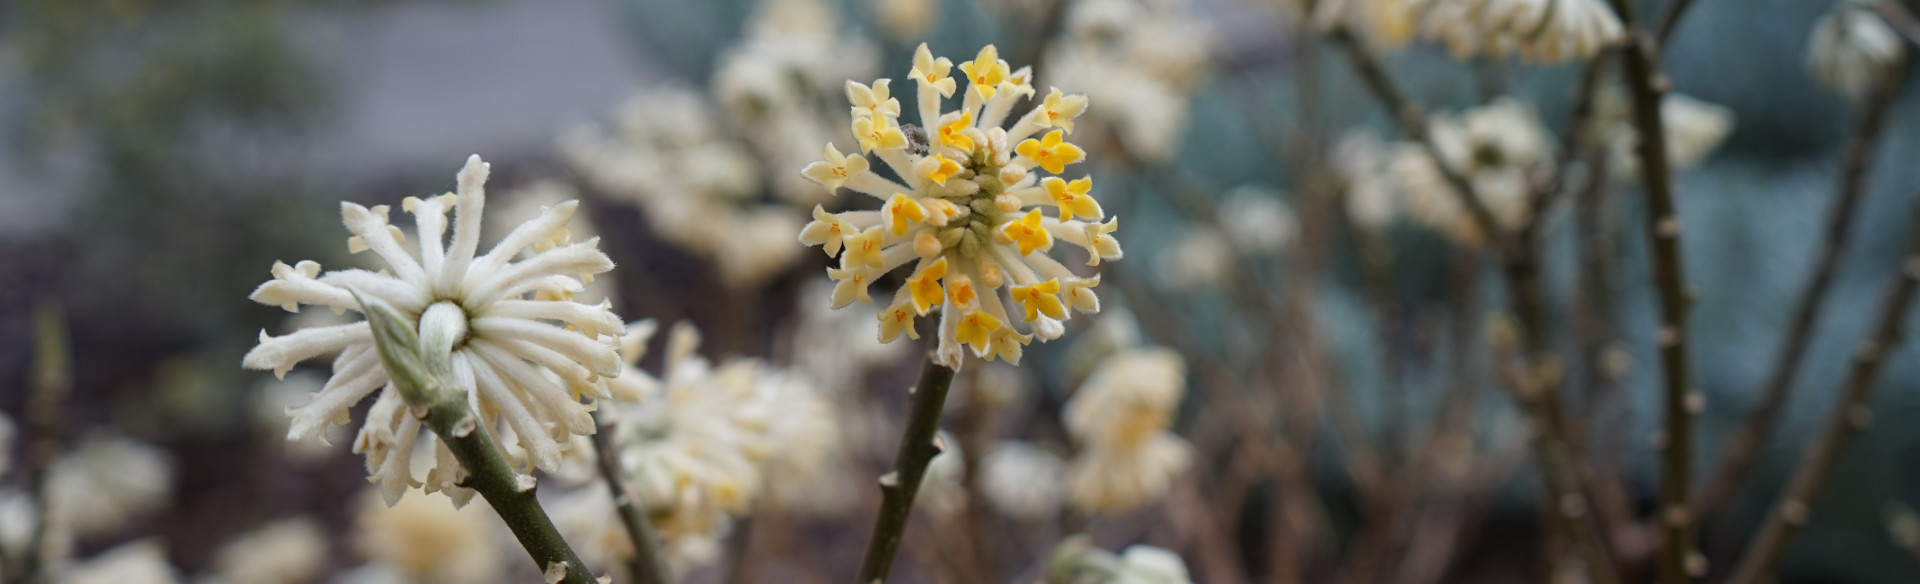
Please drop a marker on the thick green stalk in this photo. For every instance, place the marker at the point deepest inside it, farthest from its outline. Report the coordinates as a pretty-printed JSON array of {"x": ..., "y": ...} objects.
[
  {"x": 918, "y": 445},
  {"x": 426, "y": 382}
]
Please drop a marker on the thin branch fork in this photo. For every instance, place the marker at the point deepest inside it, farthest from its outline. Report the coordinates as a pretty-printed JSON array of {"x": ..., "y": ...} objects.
[
  {"x": 1540, "y": 403},
  {"x": 1760, "y": 423},
  {"x": 1851, "y": 414},
  {"x": 919, "y": 443}
]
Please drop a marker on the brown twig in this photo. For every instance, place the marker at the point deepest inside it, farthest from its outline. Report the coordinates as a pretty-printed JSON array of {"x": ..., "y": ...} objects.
[
  {"x": 646, "y": 566},
  {"x": 1760, "y": 423},
  {"x": 918, "y": 446},
  {"x": 1647, "y": 87},
  {"x": 1850, "y": 415}
]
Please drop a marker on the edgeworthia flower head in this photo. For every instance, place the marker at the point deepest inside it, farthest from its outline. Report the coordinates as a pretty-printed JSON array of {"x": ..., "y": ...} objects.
[
  {"x": 977, "y": 214},
  {"x": 523, "y": 353},
  {"x": 1119, "y": 418},
  {"x": 1547, "y": 31},
  {"x": 1853, "y": 50}
]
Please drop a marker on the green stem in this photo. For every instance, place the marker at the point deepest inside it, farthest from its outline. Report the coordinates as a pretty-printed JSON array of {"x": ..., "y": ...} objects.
[
  {"x": 648, "y": 566},
  {"x": 426, "y": 382},
  {"x": 918, "y": 446}
]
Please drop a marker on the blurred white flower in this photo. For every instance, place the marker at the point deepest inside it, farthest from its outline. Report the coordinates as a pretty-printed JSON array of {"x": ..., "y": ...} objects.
[
  {"x": 1547, "y": 31},
  {"x": 1198, "y": 258},
  {"x": 974, "y": 219},
  {"x": 668, "y": 156},
  {"x": 1022, "y": 480},
  {"x": 140, "y": 562},
  {"x": 1362, "y": 160},
  {"x": 1499, "y": 148},
  {"x": 1694, "y": 129},
  {"x": 776, "y": 85},
  {"x": 104, "y": 484},
  {"x": 1108, "y": 480},
  {"x": 1853, "y": 50},
  {"x": 1145, "y": 564},
  {"x": 1119, "y": 419},
  {"x": 1258, "y": 220},
  {"x": 1076, "y": 561},
  {"x": 500, "y": 315},
  {"x": 834, "y": 349},
  {"x": 289, "y": 551},
  {"x": 805, "y": 470},
  {"x": 428, "y": 539},
  {"x": 1141, "y": 60},
  {"x": 703, "y": 443},
  {"x": 904, "y": 20}
]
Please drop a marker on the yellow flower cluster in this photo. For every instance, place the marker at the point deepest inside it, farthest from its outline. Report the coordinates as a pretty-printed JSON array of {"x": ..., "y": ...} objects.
[{"x": 965, "y": 203}]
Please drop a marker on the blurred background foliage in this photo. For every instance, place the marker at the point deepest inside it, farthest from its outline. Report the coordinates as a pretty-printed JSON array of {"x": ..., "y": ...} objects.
[{"x": 159, "y": 156}]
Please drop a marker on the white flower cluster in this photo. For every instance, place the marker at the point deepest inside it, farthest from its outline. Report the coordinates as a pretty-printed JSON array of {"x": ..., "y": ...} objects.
[
  {"x": 426, "y": 539},
  {"x": 1023, "y": 480},
  {"x": 1546, "y": 31},
  {"x": 1853, "y": 50},
  {"x": 1142, "y": 60},
  {"x": 1693, "y": 129},
  {"x": 1076, "y": 561},
  {"x": 669, "y": 154},
  {"x": 1499, "y": 148},
  {"x": 289, "y": 551},
  {"x": 1119, "y": 420},
  {"x": 525, "y": 352},
  {"x": 1506, "y": 154},
  {"x": 971, "y": 211},
  {"x": 703, "y": 443},
  {"x": 778, "y": 85}
]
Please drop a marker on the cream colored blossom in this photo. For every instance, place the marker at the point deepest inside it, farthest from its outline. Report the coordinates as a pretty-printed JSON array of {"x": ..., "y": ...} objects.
[
  {"x": 1076, "y": 561},
  {"x": 668, "y": 155},
  {"x": 525, "y": 203},
  {"x": 429, "y": 538},
  {"x": 1257, "y": 220},
  {"x": 1853, "y": 50},
  {"x": 105, "y": 484},
  {"x": 1362, "y": 160},
  {"x": 1141, "y": 60},
  {"x": 289, "y": 551},
  {"x": 1023, "y": 480},
  {"x": 970, "y": 218},
  {"x": 503, "y": 318},
  {"x": 1547, "y": 31},
  {"x": 1119, "y": 420},
  {"x": 1500, "y": 148},
  {"x": 698, "y": 439},
  {"x": 1693, "y": 128},
  {"x": 1197, "y": 258},
  {"x": 140, "y": 562},
  {"x": 1109, "y": 480},
  {"x": 773, "y": 85}
]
